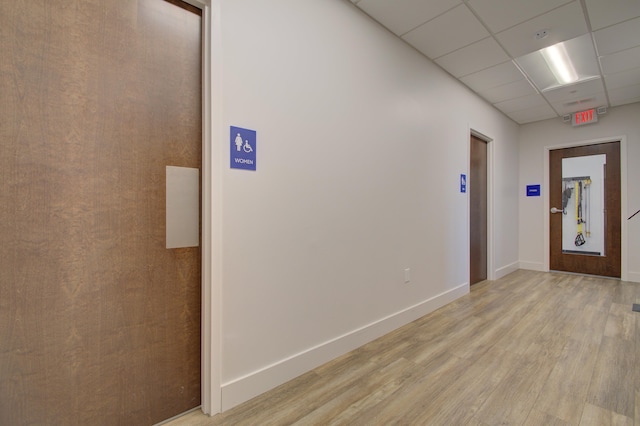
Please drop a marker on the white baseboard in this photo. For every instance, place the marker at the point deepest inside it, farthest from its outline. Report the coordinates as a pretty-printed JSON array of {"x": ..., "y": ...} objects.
[
  {"x": 244, "y": 388},
  {"x": 506, "y": 270},
  {"x": 532, "y": 266},
  {"x": 633, "y": 277}
]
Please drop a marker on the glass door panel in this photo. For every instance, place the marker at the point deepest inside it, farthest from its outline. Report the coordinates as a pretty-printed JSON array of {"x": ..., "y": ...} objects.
[{"x": 583, "y": 205}]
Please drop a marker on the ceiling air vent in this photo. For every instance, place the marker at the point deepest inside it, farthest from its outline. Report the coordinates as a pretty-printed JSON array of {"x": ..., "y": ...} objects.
[{"x": 580, "y": 102}]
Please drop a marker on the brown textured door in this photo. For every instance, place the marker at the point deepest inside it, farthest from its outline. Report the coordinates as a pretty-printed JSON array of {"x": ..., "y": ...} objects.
[
  {"x": 99, "y": 322},
  {"x": 478, "y": 210},
  {"x": 577, "y": 206}
]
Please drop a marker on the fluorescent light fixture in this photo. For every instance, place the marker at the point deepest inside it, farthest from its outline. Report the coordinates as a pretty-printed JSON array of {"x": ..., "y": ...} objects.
[
  {"x": 560, "y": 64},
  {"x": 568, "y": 63}
]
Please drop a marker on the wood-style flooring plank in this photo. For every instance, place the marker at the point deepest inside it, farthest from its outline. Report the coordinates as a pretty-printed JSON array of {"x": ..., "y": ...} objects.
[
  {"x": 348, "y": 404},
  {"x": 538, "y": 418},
  {"x": 612, "y": 382},
  {"x": 459, "y": 402},
  {"x": 520, "y": 387},
  {"x": 564, "y": 392},
  {"x": 417, "y": 392},
  {"x": 475, "y": 422},
  {"x": 621, "y": 322},
  {"x": 636, "y": 417},
  {"x": 527, "y": 331},
  {"x": 529, "y": 349},
  {"x": 597, "y": 416}
]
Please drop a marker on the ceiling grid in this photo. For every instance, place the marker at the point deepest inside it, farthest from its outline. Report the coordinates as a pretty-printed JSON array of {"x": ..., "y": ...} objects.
[{"x": 492, "y": 46}]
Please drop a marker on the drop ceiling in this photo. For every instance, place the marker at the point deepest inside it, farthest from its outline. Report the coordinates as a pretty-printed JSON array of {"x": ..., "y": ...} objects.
[{"x": 479, "y": 42}]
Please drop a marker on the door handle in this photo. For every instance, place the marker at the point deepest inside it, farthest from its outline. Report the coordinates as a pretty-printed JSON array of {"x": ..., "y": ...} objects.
[{"x": 556, "y": 210}]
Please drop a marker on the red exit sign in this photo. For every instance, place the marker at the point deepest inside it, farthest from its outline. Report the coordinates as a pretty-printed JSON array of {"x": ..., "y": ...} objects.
[{"x": 584, "y": 117}]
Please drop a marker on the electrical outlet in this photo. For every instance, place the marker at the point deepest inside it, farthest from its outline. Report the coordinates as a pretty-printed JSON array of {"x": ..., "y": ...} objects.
[{"x": 407, "y": 275}]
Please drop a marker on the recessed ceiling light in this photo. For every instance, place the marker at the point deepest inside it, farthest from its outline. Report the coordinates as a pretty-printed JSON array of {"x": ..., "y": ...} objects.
[
  {"x": 570, "y": 62},
  {"x": 559, "y": 63}
]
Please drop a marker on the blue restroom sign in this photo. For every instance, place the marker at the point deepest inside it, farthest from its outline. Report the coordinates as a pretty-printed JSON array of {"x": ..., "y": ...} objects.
[
  {"x": 533, "y": 190},
  {"x": 463, "y": 183},
  {"x": 243, "y": 148}
]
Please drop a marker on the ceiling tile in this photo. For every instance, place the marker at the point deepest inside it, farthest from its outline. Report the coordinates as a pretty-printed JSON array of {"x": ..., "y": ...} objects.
[
  {"x": 604, "y": 13},
  {"x": 562, "y": 24},
  {"x": 621, "y": 61},
  {"x": 502, "y": 14},
  {"x": 450, "y": 31},
  {"x": 618, "y": 37},
  {"x": 478, "y": 56},
  {"x": 518, "y": 104},
  {"x": 401, "y": 16},
  {"x": 497, "y": 75},
  {"x": 593, "y": 101},
  {"x": 625, "y": 95},
  {"x": 484, "y": 44},
  {"x": 622, "y": 79},
  {"x": 542, "y": 112},
  {"x": 508, "y": 91},
  {"x": 575, "y": 91}
]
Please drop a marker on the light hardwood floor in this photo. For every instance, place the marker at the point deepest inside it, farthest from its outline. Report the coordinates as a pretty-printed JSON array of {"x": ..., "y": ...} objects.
[{"x": 529, "y": 349}]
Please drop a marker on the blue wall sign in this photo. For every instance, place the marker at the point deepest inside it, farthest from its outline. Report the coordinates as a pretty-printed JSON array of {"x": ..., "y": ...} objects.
[
  {"x": 463, "y": 183},
  {"x": 533, "y": 190},
  {"x": 243, "y": 148}
]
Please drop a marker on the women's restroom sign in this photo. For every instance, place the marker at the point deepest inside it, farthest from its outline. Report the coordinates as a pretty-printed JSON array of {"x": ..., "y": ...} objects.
[{"x": 243, "y": 148}]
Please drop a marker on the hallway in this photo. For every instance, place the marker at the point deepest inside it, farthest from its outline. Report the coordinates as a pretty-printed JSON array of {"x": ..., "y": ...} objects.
[{"x": 531, "y": 348}]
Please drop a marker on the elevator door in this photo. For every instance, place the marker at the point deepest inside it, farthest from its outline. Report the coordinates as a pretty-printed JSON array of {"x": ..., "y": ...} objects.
[{"x": 99, "y": 322}]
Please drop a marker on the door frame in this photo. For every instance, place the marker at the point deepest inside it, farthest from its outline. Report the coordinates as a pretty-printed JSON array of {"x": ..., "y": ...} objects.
[
  {"x": 623, "y": 196},
  {"x": 491, "y": 273},
  {"x": 212, "y": 174}
]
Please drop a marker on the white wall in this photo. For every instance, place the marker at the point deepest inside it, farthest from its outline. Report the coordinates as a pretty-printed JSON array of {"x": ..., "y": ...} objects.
[
  {"x": 360, "y": 144},
  {"x": 534, "y": 137}
]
